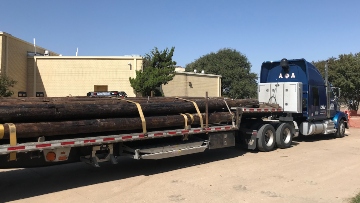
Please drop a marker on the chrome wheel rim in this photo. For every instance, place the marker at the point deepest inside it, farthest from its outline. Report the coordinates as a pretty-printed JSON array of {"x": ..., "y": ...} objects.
[
  {"x": 286, "y": 135},
  {"x": 342, "y": 128},
  {"x": 269, "y": 138}
]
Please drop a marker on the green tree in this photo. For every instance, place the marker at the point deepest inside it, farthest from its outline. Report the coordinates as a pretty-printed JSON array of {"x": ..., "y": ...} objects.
[
  {"x": 237, "y": 81},
  {"x": 158, "y": 69},
  {"x": 5, "y": 84},
  {"x": 344, "y": 72}
]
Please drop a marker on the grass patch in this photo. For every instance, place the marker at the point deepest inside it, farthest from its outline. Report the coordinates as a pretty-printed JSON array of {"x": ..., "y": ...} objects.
[{"x": 355, "y": 199}]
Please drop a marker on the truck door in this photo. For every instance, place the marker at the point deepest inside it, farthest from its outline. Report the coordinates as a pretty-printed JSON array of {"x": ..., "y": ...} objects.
[{"x": 317, "y": 103}]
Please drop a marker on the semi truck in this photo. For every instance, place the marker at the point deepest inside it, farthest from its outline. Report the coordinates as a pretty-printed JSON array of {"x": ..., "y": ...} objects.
[{"x": 297, "y": 102}]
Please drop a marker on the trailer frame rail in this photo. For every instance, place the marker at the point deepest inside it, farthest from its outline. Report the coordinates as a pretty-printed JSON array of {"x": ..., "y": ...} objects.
[{"x": 89, "y": 141}]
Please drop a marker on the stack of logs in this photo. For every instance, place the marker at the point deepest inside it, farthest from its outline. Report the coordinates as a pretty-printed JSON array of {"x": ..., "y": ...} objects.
[{"x": 37, "y": 117}]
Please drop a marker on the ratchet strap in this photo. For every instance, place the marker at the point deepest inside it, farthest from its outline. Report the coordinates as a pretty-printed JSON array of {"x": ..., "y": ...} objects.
[
  {"x": 143, "y": 122},
  {"x": 227, "y": 106},
  {"x": 186, "y": 121},
  {"x": 197, "y": 110},
  {"x": 191, "y": 117},
  {"x": 2, "y": 131},
  {"x": 13, "y": 140},
  {"x": 186, "y": 116},
  {"x": 232, "y": 114}
]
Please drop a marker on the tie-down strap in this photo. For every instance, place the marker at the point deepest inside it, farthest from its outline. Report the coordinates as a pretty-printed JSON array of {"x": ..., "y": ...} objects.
[
  {"x": 197, "y": 110},
  {"x": 143, "y": 122}
]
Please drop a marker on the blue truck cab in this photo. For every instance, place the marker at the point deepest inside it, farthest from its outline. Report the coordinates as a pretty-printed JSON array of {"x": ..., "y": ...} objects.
[{"x": 315, "y": 111}]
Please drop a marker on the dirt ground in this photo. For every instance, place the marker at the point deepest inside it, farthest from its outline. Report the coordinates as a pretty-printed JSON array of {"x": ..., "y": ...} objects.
[{"x": 315, "y": 169}]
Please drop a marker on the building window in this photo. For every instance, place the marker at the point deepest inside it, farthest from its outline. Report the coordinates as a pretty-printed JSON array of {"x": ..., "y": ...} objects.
[
  {"x": 39, "y": 94},
  {"x": 100, "y": 88},
  {"x": 22, "y": 94}
]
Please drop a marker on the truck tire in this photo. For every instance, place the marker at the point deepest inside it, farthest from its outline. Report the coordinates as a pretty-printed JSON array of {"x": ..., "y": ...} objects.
[
  {"x": 284, "y": 135},
  {"x": 341, "y": 129},
  {"x": 266, "y": 138}
]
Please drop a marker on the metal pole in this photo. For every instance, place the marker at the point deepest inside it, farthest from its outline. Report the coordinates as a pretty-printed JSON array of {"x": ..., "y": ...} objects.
[
  {"x": 34, "y": 48},
  {"x": 327, "y": 91},
  {"x": 206, "y": 111}
]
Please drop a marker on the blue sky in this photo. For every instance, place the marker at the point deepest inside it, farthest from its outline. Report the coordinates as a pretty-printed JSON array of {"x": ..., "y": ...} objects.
[{"x": 260, "y": 29}]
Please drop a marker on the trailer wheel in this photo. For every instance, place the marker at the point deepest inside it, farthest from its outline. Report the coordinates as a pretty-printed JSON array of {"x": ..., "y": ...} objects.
[
  {"x": 284, "y": 135},
  {"x": 341, "y": 129},
  {"x": 266, "y": 138}
]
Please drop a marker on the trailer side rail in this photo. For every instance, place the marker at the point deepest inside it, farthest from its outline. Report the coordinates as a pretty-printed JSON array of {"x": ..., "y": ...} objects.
[
  {"x": 88, "y": 141},
  {"x": 262, "y": 110}
]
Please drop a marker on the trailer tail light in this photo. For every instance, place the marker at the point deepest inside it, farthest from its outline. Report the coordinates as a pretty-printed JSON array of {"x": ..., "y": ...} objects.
[
  {"x": 63, "y": 158},
  {"x": 55, "y": 155},
  {"x": 50, "y": 156}
]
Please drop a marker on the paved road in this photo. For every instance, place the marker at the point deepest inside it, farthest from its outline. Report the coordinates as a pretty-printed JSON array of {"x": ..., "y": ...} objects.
[{"x": 315, "y": 169}]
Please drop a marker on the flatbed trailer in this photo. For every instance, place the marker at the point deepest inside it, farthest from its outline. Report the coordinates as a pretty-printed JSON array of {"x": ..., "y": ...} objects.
[{"x": 149, "y": 145}]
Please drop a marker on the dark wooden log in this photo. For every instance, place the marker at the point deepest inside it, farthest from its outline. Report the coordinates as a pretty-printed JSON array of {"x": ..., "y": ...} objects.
[
  {"x": 83, "y": 102},
  {"x": 91, "y": 99},
  {"x": 113, "y": 101},
  {"x": 28, "y": 130},
  {"x": 76, "y": 111}
]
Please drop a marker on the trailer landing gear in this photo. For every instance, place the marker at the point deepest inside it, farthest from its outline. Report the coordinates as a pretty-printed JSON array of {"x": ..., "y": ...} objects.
[{"x": 100, "y": 154}]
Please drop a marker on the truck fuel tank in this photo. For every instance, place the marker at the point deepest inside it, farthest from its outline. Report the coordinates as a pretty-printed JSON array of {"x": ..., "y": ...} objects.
[{"x": 317, "y": 127}]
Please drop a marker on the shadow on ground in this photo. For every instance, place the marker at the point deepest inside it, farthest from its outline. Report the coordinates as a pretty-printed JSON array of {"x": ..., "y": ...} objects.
[
  {"x": 25, "y": 183},
  {"x": 315, "y": 138}
]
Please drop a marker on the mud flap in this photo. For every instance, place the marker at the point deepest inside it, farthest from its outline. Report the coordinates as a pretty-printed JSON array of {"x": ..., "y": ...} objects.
[{"x": 251, "y": 143}]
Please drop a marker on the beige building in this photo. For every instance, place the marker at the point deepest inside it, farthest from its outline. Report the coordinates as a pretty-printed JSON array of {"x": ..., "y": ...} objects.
[
  {"x": 191, "y": 84},
  {"x": 40, "y": 72},
  {"x": 60, "y": 76},
  {"x": 14, "y": 54},
  {"x": 49, "y": 74}
]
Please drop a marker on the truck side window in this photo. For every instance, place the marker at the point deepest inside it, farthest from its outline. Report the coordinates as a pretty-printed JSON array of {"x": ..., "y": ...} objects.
[
  {"x": 332, "y": 95},
  {"x": 315, "y": 94}
]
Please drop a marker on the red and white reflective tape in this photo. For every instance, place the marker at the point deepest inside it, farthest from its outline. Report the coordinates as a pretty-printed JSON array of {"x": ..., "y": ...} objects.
[
  {"x": 35, "y": 146},
  {"x": 262, "y": 109}
]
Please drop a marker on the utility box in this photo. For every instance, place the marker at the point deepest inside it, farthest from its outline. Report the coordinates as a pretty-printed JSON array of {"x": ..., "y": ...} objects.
[
  {"x": 221, "y": 140},
  {"x": 288, "y": 95}
]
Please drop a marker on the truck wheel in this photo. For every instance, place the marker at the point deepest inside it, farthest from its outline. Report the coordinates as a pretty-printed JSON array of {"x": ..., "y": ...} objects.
[
  {"x": 284, "y": 135},
  {"x": 266, "y": 138},
  {"x": 340, "y": 130}
]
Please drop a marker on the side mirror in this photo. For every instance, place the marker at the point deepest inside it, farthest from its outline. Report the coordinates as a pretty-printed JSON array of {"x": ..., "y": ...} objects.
[{"x": 336, "y": 91}]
